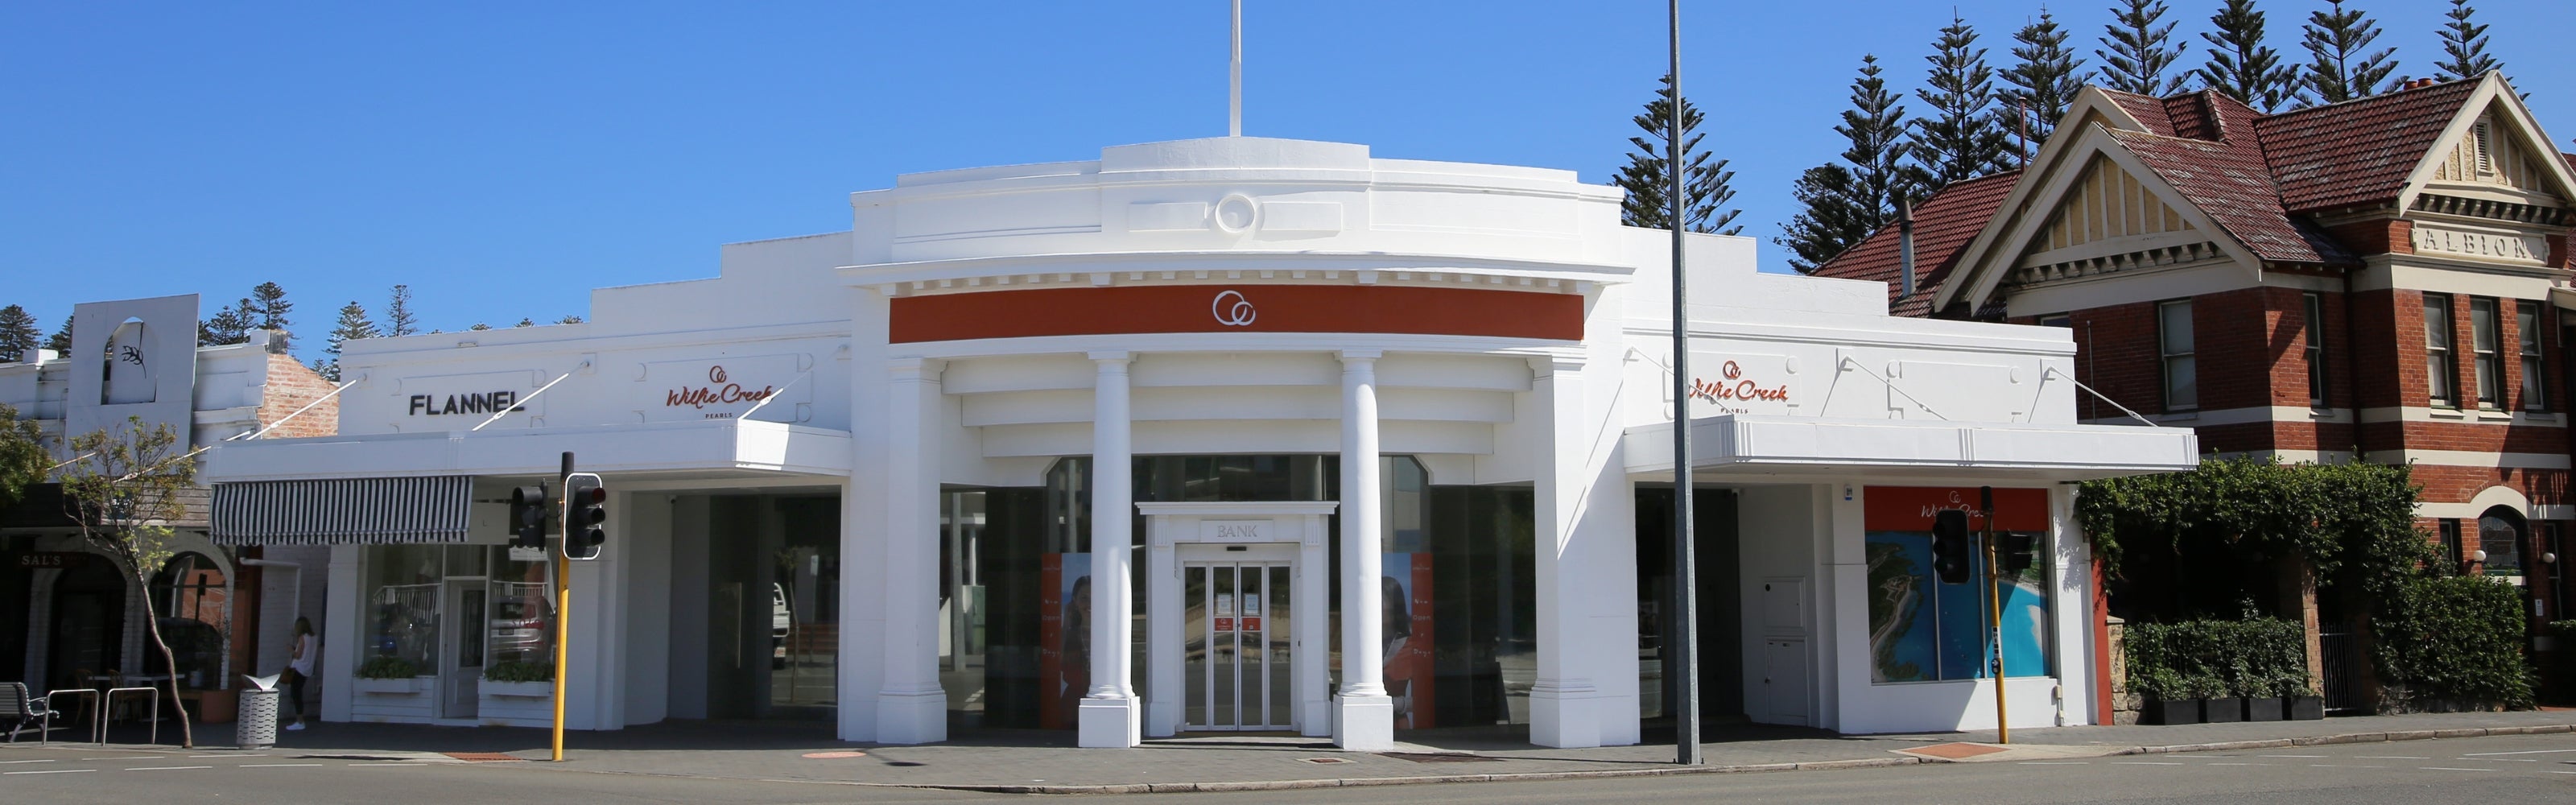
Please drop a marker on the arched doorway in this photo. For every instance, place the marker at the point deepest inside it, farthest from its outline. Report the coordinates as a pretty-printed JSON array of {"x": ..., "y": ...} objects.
[
  {"x": 86, "y": 635},
  {"x": 2502, "y": 535}
]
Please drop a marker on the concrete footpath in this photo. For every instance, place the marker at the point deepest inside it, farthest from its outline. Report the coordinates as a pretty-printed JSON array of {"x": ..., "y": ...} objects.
[{"x": 1011, "y": 761}]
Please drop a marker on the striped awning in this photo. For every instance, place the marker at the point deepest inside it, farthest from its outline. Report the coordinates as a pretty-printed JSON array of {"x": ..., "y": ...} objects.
[{"x": 343, "y": 511}]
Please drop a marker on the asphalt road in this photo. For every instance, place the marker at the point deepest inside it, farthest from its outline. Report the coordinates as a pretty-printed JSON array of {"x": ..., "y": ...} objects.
[{"x": 2488, "y": 771}]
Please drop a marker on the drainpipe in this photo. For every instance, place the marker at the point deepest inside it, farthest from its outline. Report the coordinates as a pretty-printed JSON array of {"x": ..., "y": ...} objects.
[{"x": 1905, "y": 248}]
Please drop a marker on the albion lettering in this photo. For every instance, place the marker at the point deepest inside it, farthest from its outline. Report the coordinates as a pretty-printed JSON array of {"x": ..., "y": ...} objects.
[{"x": 489, "y": 402}]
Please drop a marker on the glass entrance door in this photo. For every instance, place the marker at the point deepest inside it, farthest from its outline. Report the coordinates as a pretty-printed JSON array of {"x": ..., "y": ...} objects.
[{"x": 1237, "y": 641}]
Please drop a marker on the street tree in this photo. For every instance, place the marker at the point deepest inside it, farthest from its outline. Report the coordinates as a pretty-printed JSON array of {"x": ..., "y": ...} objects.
[
  {"x": 123, "y": 487},
  {"x": 1963, "y": 138},
  {"x": 2044, "y": 79},
  {"x": 24, "y": 461},
  {"x": 1648, "y": 179},
  {"x": 2465, "y": 45},
  {"x": 2140, "y": 50},
  {"x": 2338, "y": 70},
  {"x": 18, "y": 334},
  {"x": 2241, "y": 65}
]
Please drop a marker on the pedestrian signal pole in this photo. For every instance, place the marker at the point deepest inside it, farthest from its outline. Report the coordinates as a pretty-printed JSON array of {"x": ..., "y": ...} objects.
[
  {"x": 563, "y": 609},
  {"x": 1995, "y": 610}
]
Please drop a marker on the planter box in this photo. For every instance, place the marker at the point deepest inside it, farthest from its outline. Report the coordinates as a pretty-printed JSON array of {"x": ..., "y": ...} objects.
[
  {"x": 2171, "y": 711},
  {"x": 530, "y": 690},
  {"x": 2305, "y": 708},
  {"x": 2265, "y": 708},
  {"x": 412, "y": 686},
  {"x": 2221, "y": 711}
]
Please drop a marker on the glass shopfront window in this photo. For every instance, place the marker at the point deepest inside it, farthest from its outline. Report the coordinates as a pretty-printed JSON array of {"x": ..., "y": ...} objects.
[
  {"x": 1015, "y": 577},
  {"x": 411, "y": 593},
  {"x": 401, "y": 610}
]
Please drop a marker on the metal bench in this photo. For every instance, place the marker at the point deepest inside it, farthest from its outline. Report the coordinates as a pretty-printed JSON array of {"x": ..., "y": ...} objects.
[{"x": 18, "y": 708}]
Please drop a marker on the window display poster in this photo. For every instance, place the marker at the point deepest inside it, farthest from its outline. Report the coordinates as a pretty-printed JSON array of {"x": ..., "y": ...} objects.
[
  {"x": 1064, "y": 637},
  {"x": 1405, "y": 595},
  {"x": 1922, "y": 630}
]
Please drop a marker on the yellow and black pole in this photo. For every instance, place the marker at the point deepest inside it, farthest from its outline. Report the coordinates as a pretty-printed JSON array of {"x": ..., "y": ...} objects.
[
  {"x": 1995, "y": 613},
  {"x": 563, "y": 608}
]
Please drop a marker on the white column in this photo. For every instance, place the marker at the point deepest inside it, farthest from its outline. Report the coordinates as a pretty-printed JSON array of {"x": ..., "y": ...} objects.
[
  {"x": 1561, "y": 700},
  {"x": 911, "y": 706},
  {"x": 1364, "y": 717},
  {"x": 1110, "y": 716}
]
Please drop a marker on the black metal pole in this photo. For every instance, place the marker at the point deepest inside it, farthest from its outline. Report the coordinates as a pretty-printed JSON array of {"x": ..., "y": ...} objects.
[{"x": 1681, "y": 657}]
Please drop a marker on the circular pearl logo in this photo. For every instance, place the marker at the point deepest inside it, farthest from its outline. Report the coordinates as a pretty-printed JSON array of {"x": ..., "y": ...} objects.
[{"x": 1232, "y": 309}]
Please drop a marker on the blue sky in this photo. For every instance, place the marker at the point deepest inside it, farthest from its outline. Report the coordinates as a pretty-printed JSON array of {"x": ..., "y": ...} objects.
[{"x": 502, "y": 160}]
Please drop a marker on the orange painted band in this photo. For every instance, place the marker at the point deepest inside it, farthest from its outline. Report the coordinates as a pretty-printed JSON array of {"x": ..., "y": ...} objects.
[{"x": 1237, "y": 308}]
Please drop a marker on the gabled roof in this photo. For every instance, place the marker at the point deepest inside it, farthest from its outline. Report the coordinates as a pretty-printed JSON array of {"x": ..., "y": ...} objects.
[
  {"x": 1943, "y": 226},
  {"x": 2228, "y": 182},
  {"x": 2359, "y": 151},
  {"x": 2256, "y": 179}
]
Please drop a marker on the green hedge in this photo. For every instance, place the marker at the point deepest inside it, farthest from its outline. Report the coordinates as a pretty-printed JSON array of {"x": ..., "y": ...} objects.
[
  {"x": 2209, "y": 659},
  {"x": 2457, "y": 638},
  {"x": 388, "y": 668}
]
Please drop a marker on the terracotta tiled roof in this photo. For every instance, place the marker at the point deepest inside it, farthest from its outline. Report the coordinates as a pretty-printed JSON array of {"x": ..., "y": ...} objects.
[
  {"x": 2148, "y": 110},
  {"x": 2228, "y": 182},
  {"x": 1943, "y": 226},
  {"x": 2356, "y": 152}
]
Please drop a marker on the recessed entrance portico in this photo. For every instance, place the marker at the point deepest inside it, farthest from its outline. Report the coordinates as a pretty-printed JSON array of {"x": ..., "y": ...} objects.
[{"x": 1212, "y": 566}]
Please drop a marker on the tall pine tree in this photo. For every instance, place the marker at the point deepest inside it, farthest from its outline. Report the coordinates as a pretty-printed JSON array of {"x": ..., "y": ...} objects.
[
  {"x": 2465, "y": 43},
  {"x": 2338, "y": 71},
  {"x": 398, "y": 317},
  {"x": 2241, "y": 65},
  {"x": 230, "y": 325},
  {"x": 353, "y": 324},
  {"x": 2044, "y": 81},
  {"x": 18, "y": 334},
  {"x": 1648, "y": 179},
  {"x": 1964, "y": 137},
  {"x": 1841, "y": 203},
  {"x": 268, "y": 309},
  {"x": 61, "y": 341},
  {"x": 2140, "y": 50}
]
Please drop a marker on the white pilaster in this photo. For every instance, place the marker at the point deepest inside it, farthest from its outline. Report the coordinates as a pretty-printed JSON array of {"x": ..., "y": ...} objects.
[
  {"x": 1110, "y": 716},
  {"x": 911, "y": 706},
  {"x": 1563, "y": 701},
  {"x": 1364, "y": 716}
]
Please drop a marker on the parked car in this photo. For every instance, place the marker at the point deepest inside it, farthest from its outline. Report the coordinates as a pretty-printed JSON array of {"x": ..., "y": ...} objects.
[{"x": 522, "y": 629}]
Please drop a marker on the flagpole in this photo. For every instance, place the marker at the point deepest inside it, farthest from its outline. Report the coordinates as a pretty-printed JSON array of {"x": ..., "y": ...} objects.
[
  {"x": 1681, "y": 659},
  {"x": 1234, "y": 78}
]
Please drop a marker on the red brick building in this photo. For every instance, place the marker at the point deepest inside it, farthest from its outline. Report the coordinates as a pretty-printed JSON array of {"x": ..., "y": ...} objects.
[{"x": 2381, "y": 278}]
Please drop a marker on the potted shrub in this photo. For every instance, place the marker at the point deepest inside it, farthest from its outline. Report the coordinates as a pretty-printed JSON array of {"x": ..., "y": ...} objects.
[
  {"x": 2301, "y": 703},
  {"x": 517, "y": 678},
  {"x": 2262, "y": 698},
  {"x": 390, "y": 676},
  {"x": 2164, "y": 699},
  {"x": 2216, "y": 707}
]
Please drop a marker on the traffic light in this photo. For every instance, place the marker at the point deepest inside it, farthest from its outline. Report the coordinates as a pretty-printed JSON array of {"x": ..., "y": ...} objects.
[
  {"x": 585, "y": 508},
  {"x": 2013, "y": 550},
  {"x": 528, "y": 517},
  {"x": 1950, "y": 546}
]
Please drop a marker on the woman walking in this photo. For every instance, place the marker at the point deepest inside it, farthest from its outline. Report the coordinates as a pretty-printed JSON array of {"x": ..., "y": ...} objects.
[{"x": 299, "y": 667}]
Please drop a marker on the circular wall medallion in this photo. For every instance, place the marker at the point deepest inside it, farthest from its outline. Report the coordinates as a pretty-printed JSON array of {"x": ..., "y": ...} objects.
[{"x": 1237, "y": 213}]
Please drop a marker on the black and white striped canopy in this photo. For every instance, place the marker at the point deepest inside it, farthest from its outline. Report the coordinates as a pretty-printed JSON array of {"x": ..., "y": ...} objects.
[{"x": 343, "y": 511}]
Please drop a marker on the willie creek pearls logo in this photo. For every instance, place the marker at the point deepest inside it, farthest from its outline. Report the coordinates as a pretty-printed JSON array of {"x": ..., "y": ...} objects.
[{"x": 1232, "y": 309}]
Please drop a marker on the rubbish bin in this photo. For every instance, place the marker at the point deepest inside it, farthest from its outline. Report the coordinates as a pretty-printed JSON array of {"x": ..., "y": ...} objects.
[{"x": 256, "y": 727}]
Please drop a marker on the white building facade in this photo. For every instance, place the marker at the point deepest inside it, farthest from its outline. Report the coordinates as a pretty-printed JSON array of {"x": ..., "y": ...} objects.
[{"x": 1330, "y": 383}]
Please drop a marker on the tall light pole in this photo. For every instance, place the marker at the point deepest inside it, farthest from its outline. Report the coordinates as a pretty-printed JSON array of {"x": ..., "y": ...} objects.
[{"x": 1681, "y": 656}]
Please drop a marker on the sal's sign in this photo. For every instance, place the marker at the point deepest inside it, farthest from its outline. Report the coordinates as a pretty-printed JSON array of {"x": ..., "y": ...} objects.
[{"x": 726, "y": 388}]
